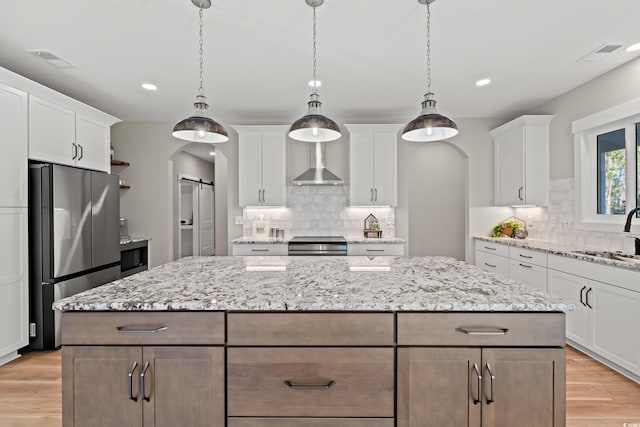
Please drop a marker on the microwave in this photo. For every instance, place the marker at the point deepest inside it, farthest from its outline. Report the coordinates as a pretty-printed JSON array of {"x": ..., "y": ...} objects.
[{"x": 134, "y": 257}]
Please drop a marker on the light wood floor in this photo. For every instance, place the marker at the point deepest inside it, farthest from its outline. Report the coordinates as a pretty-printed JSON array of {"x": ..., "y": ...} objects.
[{"x": 30, "y": 393}]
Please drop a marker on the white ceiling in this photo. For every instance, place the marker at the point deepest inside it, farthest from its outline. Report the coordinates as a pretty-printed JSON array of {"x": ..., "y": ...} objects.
[{"x": 371, "y": 54}]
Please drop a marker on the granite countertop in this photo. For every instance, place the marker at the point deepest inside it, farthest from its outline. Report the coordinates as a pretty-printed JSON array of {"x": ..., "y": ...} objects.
[
  {"x": 133, "y": 240},
  {"x": 315, "y": 283},
  {"x": 559, "y": 249},
  {"x": 352, "y": 240}
]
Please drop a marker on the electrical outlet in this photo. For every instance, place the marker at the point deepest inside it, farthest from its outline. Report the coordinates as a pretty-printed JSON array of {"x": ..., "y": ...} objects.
[
  {"x": 238, "y": 219},
  {"x": 530, "y": 221},
  {"x": 390, "y": 221},
  {"x": 32, "y": 330}
]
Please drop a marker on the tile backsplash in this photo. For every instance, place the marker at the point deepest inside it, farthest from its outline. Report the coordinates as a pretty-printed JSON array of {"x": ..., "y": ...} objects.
[
  {"x": 555, "y": 223},
  {"x": 319, "y": 211}
]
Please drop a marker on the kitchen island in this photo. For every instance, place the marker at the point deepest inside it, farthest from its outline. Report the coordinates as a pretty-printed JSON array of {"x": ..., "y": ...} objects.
[{"x": 314, "y": 342}]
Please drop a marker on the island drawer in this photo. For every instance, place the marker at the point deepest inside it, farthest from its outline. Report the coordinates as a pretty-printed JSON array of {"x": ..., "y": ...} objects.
[
  {"x": 313, "y": 329},
  {"x": 482, "y": 329},
  {"x": 142, "y": 328},
  {"x": 310, "y": 382},
  {"x": 310, "y": 422}
]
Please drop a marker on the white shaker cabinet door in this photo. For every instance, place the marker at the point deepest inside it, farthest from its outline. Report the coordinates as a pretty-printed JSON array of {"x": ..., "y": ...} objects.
[
  {"x": 52, "y": 132},
  {"x": 361, "y": 170},
  {"x": 93, "y": 140},
  {"x": 14, "y": 280},
  {"x": 509, "y": 158},
  {"x": 250, "y": 170},
  {"x": 615, "y": 318},
  {"x": 384, "y": 169},
  {"x": 13, "y": 134},
  {"x": 574, "y": 289},
  {"x": 274, "y": 169}
]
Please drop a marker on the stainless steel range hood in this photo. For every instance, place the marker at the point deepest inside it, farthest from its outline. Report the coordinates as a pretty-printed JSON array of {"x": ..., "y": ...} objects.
[{"x": 318, "y": 175}]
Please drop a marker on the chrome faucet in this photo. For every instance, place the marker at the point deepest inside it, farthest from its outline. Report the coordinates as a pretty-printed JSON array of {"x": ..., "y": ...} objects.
[{"x": 627, "y": 228}]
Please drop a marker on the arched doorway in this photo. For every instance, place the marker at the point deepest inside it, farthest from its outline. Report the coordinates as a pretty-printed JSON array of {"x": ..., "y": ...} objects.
[{"x": 438, "y": 200}]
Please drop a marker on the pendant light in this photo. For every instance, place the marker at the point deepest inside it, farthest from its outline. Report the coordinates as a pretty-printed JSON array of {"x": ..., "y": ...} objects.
[
  {"x": 429, "y": 125},
  {"x": 199, "y": 127},
  {"x": 314, "y": 126}
]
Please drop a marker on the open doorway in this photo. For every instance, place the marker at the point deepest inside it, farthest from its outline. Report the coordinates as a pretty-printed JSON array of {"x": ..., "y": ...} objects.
[{"x": 194, "y": 200}]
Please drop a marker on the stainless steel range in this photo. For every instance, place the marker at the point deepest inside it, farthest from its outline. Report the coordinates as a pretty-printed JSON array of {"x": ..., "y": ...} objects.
[{"x": 318, "y": 245}]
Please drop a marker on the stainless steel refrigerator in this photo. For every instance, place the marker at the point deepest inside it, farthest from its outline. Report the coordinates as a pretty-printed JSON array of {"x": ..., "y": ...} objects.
[{"x": 74, "y": 240}]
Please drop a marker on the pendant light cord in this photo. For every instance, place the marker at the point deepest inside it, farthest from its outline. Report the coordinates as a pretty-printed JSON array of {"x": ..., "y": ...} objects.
[
  {"x": 201, "y": 89},
  {"x": 315, "y": 54},
  {"x": 428, "y": 47}
]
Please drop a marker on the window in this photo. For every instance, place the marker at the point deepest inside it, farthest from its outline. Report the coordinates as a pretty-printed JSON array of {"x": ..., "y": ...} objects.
[
  {"x": 612, "y": 161},
  {"x": 607, "y": 167}
]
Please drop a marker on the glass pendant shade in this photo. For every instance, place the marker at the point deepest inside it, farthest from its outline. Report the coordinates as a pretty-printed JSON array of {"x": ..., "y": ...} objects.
[
  {"x": 314, "y": 126},
  {"x": 199, "y": 127},
  {"x": 429, "y": 125}
]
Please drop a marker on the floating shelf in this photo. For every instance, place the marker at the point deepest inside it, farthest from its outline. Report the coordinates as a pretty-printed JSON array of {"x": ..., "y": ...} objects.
[
  {"x": 119, "y": 163},
  {"x": 125, "y": 187}
]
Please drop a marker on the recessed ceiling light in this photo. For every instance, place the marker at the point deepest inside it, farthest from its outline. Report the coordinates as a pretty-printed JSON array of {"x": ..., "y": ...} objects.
[
  {"x": 315, "y": 83},
  {"x": 149, "y": 86},
  {"x": 483, "y": 82},
  {"x": 633, "y": 47},
  {"x": 212, "y": 153}
]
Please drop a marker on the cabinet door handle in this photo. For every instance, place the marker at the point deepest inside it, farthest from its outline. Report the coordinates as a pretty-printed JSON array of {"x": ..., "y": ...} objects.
[
  {"x": 127, "y": 330},
  {"x": 581, "y": 296},
  {"x": 375, "y": 250},
  {"x": 292, "y": 384},
  {"x": 490, "y": 265},
  {"x": 525, "y": 265},
  {"x": 371, "y": 197},
  {"x": 376, "y": 198},
  {"x": 142, "y": 382},
  {"x": 130, "y": 379},
  {"x": 520, "y": 193},
  {"x": 525, "y": 256},
  {"x": 492, "y": 377},
  {"x": 586, "y": 298},
  {"x": 482, "y": 331},
  {"x": 490, "y": 248},
  {"x": 81, "y": 152},
  {"x": 259, "y": 250},
  {"x": 479, "y": 378},
  {"x": 259, "y": 195},
  {"x": 74, "y": 151}
]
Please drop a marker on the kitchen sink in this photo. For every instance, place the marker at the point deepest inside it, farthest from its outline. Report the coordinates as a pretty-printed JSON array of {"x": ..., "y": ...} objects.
[{"x": 618, "y": 256}]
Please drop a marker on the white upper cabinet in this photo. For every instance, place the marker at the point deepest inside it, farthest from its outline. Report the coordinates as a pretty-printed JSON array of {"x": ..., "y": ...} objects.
[
  {"x": 262, "y": 165},
  {"x": 373, "y": 165},
  {"x": 13, "y": 134},
  {"x": 521, "y": 149},
  {"x": 60, "y": 134}
]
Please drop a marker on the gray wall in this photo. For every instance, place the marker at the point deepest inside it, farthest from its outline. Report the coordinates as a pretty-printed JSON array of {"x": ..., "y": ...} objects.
[{"x": 608, "y": 90}]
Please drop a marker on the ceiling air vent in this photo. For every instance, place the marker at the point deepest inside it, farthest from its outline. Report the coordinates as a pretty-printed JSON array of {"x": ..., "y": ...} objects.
[
  {"x": 51, "y": 58},
  {"x": 600, "y": 52}
]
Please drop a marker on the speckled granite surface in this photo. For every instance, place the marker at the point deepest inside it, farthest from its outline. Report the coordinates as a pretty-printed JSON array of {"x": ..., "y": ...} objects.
[
  {"x": 353, "y": 240},
  {"x": 562, "y": 250},
  {"x": 133, "y": 240},
  {"x": 315, "y": 283}
]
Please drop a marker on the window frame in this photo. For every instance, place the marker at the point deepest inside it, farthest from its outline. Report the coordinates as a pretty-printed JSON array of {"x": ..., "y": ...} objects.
[{"x": 585, "y": 131}]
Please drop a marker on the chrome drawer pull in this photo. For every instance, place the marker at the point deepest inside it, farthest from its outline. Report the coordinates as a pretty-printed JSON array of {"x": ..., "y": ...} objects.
[
  {"x": 126, "y": 330},
  {"x": 490, "y": 400},
  {"x": 142, "y": 378},
  {"x": 133, "y": 369},
  {"x": 259, "y": 250},
  {"x": 479, "y": 399},
  {"x": 375, "y": 250},
  {"x": 486, "y": 331},
  {"x": 490, "y": 248},
  {"x": 293, "y": 385},
  {"x": 525, "y": 265},
  {"x": 525, "y": 256}
]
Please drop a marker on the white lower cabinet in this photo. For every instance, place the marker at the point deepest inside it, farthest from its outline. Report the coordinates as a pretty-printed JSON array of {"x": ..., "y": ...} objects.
[
  {"x": 14, "y": 279},
  {"x": 522, "y": 265},
  {"x": 375, "y": 249},
  {"x": 605, "y": 322},
  {"x": 261, "y": 249}
]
